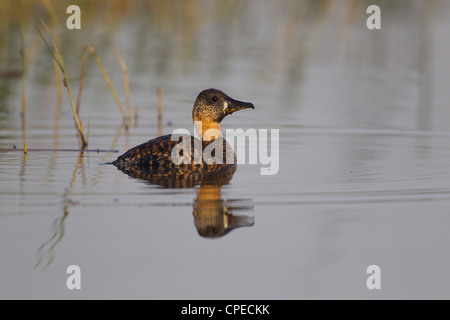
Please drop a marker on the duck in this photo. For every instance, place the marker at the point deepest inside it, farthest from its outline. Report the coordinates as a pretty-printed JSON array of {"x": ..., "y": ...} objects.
[{"x": 154, "y": 157}]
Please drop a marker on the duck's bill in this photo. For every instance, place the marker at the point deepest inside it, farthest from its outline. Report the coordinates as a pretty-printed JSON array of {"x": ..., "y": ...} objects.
[
  {"x": 235, "y": 105},
  {"x": 238, "y": 221}
]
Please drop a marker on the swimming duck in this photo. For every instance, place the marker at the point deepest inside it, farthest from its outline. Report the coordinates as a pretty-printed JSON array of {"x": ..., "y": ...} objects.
[{"x": 210, "y": 107}]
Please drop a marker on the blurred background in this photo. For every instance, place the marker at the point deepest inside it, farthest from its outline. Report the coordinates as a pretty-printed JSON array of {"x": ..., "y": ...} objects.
[
  {"x": 364, "y": 125},
  {"x": 295, "y": 56}
]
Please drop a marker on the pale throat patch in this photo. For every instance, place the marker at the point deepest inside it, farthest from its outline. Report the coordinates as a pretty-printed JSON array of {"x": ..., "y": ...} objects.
[
  {"x": 225, "y": 105},
  {"x": 209, "y": 129}
]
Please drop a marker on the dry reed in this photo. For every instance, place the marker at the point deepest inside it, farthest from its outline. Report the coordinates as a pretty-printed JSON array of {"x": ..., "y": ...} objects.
[
  {"x": 22, "y": 55},
  {"x": 91, "y": 49},
  {"x": 125, "y": 80},
  {"x": 136, "y": 116},
  {"x": 160, "y": 105},
  {"x": 53, "y": 14},
  {"x": 57, "y": 56}
]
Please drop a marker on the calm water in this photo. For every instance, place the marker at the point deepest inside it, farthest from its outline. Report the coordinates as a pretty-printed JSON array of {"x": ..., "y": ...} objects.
[{"x": 364, "y": 175}]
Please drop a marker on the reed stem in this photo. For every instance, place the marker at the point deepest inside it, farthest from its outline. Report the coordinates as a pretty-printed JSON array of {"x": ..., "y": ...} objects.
[
  {"x": 126, "y": 81},
  {"x": 160, "y": 105},
  {"x": 105, "y": 76},
  {"x": 60, "y": 61},
  {"x": 22, "y": 56}
]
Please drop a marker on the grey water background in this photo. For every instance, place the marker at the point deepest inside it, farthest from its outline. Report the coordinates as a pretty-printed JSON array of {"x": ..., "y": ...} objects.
[{"x": 364, "y": 178}]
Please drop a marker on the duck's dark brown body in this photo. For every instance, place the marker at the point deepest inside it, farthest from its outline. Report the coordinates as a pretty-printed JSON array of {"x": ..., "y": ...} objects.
[
  {"x": 157, "y": 153},
  {"x": 205, "y": 159},
  {"x": 152, "y": 161}
]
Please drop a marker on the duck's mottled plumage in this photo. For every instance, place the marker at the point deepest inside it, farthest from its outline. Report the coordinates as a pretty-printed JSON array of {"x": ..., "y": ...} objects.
[{"x": 155, "y": 155}]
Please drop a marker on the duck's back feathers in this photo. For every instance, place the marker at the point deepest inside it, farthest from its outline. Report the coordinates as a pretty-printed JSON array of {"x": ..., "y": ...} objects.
[{"x": 157, "y": 153}]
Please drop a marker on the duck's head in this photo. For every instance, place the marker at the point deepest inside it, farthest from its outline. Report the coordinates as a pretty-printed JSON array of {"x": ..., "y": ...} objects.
[{"x": 210, "y": 107}]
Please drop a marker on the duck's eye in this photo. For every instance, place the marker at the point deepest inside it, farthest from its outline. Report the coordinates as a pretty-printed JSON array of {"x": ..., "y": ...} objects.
[{"x": 214, "y": 99}]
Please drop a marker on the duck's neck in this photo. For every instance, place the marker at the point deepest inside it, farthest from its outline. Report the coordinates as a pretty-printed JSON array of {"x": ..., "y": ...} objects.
[{"x": 208, "y": 130}]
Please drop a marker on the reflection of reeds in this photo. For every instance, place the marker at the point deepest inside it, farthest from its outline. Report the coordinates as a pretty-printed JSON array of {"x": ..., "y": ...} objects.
[
  {"x": 57, "y": 56},
  {"x": 46, "y": 252}
]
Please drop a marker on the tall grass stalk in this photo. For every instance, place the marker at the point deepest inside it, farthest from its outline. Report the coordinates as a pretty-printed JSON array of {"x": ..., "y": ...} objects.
[
  {"x": 22, "y": 56},
  {"x": 160, "y": 105},
  {"x": 53, "y": 14},
  {"x": 126, "y": 81},
  {"x": 136, "y": 116},
  {"x": 56, "y": 53},
  {"x": 91, "y": 49}
]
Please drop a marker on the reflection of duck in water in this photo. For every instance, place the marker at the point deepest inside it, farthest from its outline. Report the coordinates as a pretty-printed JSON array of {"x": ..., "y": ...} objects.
[
  {"x": 213, "y": 216},
  {"x": 184, "y": 178},
  {"x": 210, "y": 107}
]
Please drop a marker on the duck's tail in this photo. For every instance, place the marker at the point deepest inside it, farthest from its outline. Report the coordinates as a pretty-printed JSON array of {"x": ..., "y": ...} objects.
[{"x": 113, "y": 163}]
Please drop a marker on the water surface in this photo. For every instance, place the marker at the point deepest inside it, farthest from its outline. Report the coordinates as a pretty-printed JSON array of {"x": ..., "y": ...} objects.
[{"x": 364, "y": 155}]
